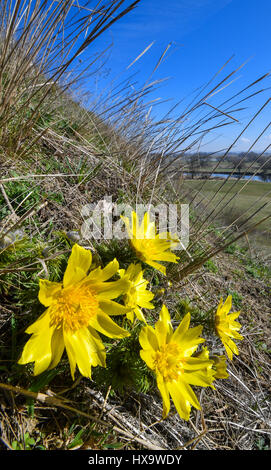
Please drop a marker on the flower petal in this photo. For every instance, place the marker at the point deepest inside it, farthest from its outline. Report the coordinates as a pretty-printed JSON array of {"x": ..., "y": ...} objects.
[
  {"x": 103, "y": 323},
  {"x": 156, "y": 265},
  {"x": 163, "y": 389},
  {"x": 220, "y": 367},
  {"x": 111, "y": 290},
  {"x": 130, "y": 316},
  {"x": 147, "y": 339},
  {"x": 85, "y": 350},
  {"x": 228, "y": 304},
  {"x": 147, "y": 356},
  {"x": 178, "y": 393},
  {"x": 163, "y": 327},
  {"x": 230, "y": 347},
  {"x": 133, "y": 271},
  {"x": 227, "y": 327},
  {"x": 127, "y": 225},
  {"x": 38, "y": 348},
  {"x": 188, "y": 338},
  {"x": 78, "y": 265},
  {"x": 57, "y": 345},
  {"x": 181, "y": 329},
  {"x": 200, "y": 377},
  {"x": 41, "y": 323},
  {"x": 47, "y": 291},
  {"x": 166, "y": 256},
  {"x": 147, "y": 227},
  {"x": 103, "y": 274},
  {"x": 143, "y": 299},
  {"x": 113, "y": 308},
  {"x": 139, "y": 314}
]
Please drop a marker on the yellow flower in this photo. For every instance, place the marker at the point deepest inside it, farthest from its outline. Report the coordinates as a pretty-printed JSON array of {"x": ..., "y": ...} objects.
[
  {"x": 137, "y": 295},
  {"x": 149, "y": 246},
  {"x": 169, "y": 355},
  {"x": 227, "y": 327},
  {"x": 78, "y": 307},
  {"x": 219, "y": 365}
]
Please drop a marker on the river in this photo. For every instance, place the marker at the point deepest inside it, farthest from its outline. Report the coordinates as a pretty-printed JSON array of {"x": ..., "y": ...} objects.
[{"x": 225, "y": 175}]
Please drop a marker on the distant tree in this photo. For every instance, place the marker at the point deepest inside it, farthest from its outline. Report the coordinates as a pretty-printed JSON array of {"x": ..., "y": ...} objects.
[
  {"x": 266, "y": 170},
  {"x": 251, "y": 157},
  {"x": 193, "y": 164},
  {"x": 204, "y": 160},
  {"x": 240, "y": 163}
]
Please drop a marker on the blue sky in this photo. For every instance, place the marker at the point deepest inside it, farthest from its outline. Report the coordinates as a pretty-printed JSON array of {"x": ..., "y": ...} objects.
[{"x": 203, "y": 34}]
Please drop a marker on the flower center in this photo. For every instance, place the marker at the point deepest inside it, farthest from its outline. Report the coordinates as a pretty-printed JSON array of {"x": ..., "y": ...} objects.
[
  {"x": 169, "y": 362},
  {"x": 74, "y": 308},
  {"x": 144, "y": 248}
]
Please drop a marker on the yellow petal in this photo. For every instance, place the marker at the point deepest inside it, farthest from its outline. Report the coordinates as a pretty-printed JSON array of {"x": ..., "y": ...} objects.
[
  {"x": 41, "y": 323},
  {"x": 84, "y": 350},
  {"x": 190, "y": 395},
  {"x": 181, "y": 330},
  {"x": 230, "y": 347},
  {"x": 162, "y": 387},
  {"x": 78, "y": 265},
  {"x": 237, "y": 335},
  {"x": 220, "y": 367},
  {"x": 113, "y": 308},
  {"x": 139, "y": 315},
  {"x": 133, "y": 271},
  {"x": 228, "y": 304},
  {"x": 198, "y": 362},
  {"x": 137, "y": 229},
  {"x": 121, "y": 272},
  {"x": 57, "y": 345},
  {"x": 163, "y": 327},
  {"x": 166, "y": 256},
  {"x": 178, "y": 394},
  {"x": 143, "y": 299},
  {"x": 156, "y": 265},
  {"x": 111, "y": 290},
  {"x": 232, "y": 316},
  {"x": 130, "y": 316},
  {"x": 103, "y": 274},
  {"x": 103, "y": 323},
  {"x": 147, "y": 356},
  {"x": 200, "y": 377},
  {"x": 127, "y": 225},
  {"x": 47, "y": 291},
  {"x": 188, "y": 338},
  {"x": 38, "y": 348},
  {"x": 147, "y": 339},
  {"x": 147, "y": 227},
  {"x": 192, "y": 339}
]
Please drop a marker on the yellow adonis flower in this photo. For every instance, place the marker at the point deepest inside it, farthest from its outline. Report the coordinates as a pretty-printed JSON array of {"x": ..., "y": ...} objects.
[
  {"x": 219, "y": 366},
  {"x": 149, "y": 246},
  {"x": 137, "y": 296},
  {"x": 227, "y": 327},
  {"x": 169, "y": 355},
  {"x": 77, "y": 308}
]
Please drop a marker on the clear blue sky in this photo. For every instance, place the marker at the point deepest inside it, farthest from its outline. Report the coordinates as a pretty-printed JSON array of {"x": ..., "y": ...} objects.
[{"x": 204, "y": 35}]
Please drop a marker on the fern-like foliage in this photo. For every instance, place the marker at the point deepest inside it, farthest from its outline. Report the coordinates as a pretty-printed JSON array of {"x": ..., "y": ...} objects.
[{"x": 125, "y": 371}]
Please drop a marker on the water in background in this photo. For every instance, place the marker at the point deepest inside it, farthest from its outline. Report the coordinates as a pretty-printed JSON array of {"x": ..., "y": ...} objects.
[{"x": 225, "y": 175}]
